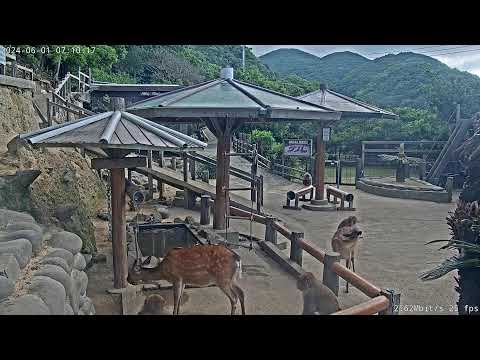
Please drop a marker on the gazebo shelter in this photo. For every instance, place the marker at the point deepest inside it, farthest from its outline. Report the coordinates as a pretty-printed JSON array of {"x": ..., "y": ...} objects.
[
  {"x": 349, "y": 108},
  {"x": 224, "y": 105},
  {"x": 117, "y": 133}
]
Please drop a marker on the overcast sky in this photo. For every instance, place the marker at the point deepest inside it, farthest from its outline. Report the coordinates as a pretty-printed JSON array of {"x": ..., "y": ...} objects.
[{"x": 462, "y": 57}]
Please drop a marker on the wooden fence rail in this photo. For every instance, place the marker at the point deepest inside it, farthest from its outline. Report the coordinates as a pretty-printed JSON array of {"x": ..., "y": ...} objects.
[{"x": 382, "y": 301}]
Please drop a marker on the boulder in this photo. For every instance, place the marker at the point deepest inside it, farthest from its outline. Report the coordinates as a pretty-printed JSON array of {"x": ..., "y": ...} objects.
[
  {"x": 35, "y": 238},
  {"x": 88, "y": 258},
  {"x": 24, "y": 305},
  {"x": 79, "y": 262},
  {"x": 58, "y": 261},
  {"x": 86, "y": 305},
  {"x": 68, "y": 309},
  {"x": 79, "y": 288},
  {"x": 24, "y": 225},
  {"x": 68, "y": 241},
  {"x": 56, "y": 273},
  {"x": 50, "y": 291},
  {"x": 6, "y": 287},
  {"x": 10, "y": 216},
  {"x": 58, "y": 252},
  {"x": 20, "y": 248},
  {"x": 9, "y": 267}
]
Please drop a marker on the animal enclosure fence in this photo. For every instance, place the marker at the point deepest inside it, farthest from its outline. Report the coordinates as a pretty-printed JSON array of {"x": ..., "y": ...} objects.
[
  {"x": 382, "y": 301},
  {"x": 341, "y": 171}
]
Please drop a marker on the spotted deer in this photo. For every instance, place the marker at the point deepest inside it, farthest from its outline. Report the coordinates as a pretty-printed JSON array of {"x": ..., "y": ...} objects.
[
  {"x": 345, "y": 241},
  {"x": 200, "y": 266}
]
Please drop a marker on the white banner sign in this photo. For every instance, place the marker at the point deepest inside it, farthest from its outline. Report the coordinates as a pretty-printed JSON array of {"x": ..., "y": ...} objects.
[{"x": 298, "y": 148}]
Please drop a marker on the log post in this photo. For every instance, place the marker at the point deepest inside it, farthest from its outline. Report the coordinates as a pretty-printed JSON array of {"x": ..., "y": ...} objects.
[
  {"x": 205, "y": 210},
  {"x": 222, "y": 182},
  {"x": 331, "y": 279},
  {"x": 150, "y": 178},
  {"x": 173, "y": 165},
  {"x": 295, "y": 249},
  {"x": 270, "y": 232},
  {"x": 118, "y": 229},
  {"x": 394, "y": 298},
  {"x": 320, "y": 167}
]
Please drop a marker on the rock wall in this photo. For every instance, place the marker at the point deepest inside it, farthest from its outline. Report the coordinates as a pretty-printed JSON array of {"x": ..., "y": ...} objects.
[
  {"x": 41, "y": 270},
  {"x": 67, "y": 193}
]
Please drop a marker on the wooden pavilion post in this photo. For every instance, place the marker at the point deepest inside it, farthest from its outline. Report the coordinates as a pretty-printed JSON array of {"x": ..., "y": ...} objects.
[
  {"x": 223, "y": 132},
  {"x": 320, "y": 167},
  {"x": 119, "y": 245}
]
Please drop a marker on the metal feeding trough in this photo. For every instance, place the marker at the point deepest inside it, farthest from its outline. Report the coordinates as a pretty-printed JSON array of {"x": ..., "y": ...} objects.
[{"x": 157, "y": 239}]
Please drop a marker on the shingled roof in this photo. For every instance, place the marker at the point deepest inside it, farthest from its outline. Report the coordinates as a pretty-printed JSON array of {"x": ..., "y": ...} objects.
[
  {"x": 230, "y": 98},
  {"x": 348, "y": 106},
  {"x": 113, "y": 130}
]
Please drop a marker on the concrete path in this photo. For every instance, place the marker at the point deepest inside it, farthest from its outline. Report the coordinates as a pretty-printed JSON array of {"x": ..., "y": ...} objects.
[{"x": 393, "y": 252}]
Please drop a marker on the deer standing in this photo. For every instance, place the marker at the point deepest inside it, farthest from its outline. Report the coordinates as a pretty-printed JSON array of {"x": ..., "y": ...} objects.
[
  {"x": 202, "y": 266},
  {"x": 345, "y": 241},
  {"x": 317, "y": 298}
]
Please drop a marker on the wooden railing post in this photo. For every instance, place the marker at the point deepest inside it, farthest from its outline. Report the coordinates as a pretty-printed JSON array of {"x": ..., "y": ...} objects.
[
  {"x": 253, "y": 172},
  {"x": 129, "y": 174},
  {"x": 205, "y": 210},
  {"x": 358, "y": 170},
  {"x": 173, "y": 165},
  {"x": 193, "y": 169},
  {"x": 150, "y": 178},
  {"x": 270, "y": 232},
  {"x": 160, "y": 159},
  {"x": 49, "y": 112},
  {"x": 295, "y": 248},
  {"x": 449, "y": 188},
  {"x": 331, "y": 279},
  {"x": 394, "y": 298}
]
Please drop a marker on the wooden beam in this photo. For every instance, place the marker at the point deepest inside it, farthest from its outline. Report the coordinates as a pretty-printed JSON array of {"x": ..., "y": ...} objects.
[
  {"x": 119, "y": 245},
  {"x": 370, "y": 307},
  {"x": 114, "y": 163}
]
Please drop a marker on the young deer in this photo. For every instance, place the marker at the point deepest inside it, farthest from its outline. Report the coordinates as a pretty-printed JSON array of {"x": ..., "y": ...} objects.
[
  {"x": 345, "y": 241},
  {"x": 317, "y": 298},
  {"x": 202, "y": 266}
]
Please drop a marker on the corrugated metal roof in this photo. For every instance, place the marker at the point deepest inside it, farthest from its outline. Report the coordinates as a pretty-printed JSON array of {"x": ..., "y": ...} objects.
[
  {"x": 230, "y": 98},
  {"x": 118, "y": 130},
  {"x": 348, "y": 106}
]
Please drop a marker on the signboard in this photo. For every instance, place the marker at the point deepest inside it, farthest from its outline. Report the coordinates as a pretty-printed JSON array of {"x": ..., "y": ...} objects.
[
  {"x": 326, "y": 134},
  {"x": 298, "y": 148},
  {"x": 3, "y": 56}
]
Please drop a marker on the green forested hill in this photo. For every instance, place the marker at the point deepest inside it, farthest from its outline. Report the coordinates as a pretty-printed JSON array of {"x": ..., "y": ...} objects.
[{"x": 403, "y": 80}]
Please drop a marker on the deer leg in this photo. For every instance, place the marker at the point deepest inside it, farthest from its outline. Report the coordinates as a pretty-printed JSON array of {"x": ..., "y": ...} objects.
[
  {"x": 177, "y": 294},
  {"x": 348, "y": 267},
  {"x": 232, "y": 296},
  {"x": 239, "y": 292}
]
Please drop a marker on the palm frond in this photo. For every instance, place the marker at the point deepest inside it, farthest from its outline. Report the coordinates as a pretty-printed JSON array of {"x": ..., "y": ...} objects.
[{"x": 453, "y": 263}]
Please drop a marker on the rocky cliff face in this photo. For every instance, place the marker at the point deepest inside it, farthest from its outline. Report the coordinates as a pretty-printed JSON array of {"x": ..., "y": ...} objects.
[{"x": 67, "y": 193}]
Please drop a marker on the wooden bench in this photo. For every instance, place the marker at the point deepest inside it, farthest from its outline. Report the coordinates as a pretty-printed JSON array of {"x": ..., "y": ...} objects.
[
  {"x": 343, "y": 196},
  {"x": 295, "y": 195}
]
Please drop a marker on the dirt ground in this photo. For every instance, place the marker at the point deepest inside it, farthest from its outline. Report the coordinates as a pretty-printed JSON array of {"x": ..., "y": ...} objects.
[{"x": 391, "y": 255}]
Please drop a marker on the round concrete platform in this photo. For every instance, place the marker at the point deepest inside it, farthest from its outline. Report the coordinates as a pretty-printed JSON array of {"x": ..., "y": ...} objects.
[
  {"x": 319, "y": 205},
  {"x": 413, "y": 189}
]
